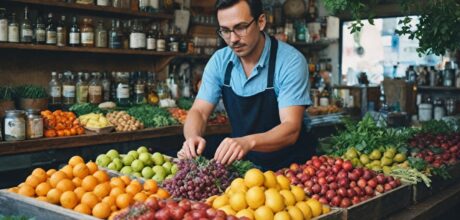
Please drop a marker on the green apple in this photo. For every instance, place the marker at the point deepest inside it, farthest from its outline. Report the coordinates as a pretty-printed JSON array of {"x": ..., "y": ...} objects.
[
  {"x": 174, "y": 169},
  {"x": 167, "y": 167},
  {"x": 169, "y": 176},
  {"x": 142, "y": 149},
  {"x": 147, "y": 172},
  {"x": 159, "y": 170},
  {"x": 137, "y": 165},
  {"x": 112, "y": 166},
  {"x": 158, "y": 178},
  {"x": 103, "y": 160},
  {"x": 113, "y": 154},
  {"x": 146, "y": 158},
  {"x": 118, "y": 163},
  {"x": 133, "y": 153},
  {"x": 128, "y": 160},
  {"x": 137, "y": 174},
  {"x": 126, "y": 170},
  {"x": 158, "y": 158}
]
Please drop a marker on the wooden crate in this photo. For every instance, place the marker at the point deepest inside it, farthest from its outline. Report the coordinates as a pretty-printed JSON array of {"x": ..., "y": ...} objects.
[
  {"x": 335, "y": 214},
  {"x": 382, "y": 205},
  {"x": 421, "y": 191},
  {"x": 15, "y": 204}
]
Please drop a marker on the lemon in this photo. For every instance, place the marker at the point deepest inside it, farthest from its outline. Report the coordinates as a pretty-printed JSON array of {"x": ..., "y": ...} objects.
[
  {"x": 270, "y": 179},
  {"x": 326, "y": 209},
  {"x": 238, "y": 185},
  {"x": 255, "y": 197},
  {"x": 274, "y": 200},
  {"x": 298, "y": 192},
  {"x": 289, "y": 198},
  {"x": 282, "y": 216},
  {"x": 238, "y": 201},
  {"x": 228, "y": 210},
  {"x": 263, "y": 213},
  {"x": 245, "y": 213},
  {"x": 254, "y": 177},
  {"x": 220, "y": 201},
  {"x": 295, "y": 213},
  {"x": 283, "y": 182},
  {"x": 306, "y": 211},
  {"x": 315, "y": 206}
]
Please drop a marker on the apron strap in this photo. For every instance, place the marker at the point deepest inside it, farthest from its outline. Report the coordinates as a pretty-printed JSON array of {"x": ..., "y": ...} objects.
[
  {"x": 228, "y": 73},
  {"x": 272, "y": 62}
]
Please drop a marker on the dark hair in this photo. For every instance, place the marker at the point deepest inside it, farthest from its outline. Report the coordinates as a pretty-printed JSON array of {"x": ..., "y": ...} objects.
[{"x": 254, "y": 5}]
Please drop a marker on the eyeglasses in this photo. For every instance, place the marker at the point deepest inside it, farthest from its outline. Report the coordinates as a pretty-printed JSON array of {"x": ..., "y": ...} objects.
[{"x": 240, "y": 30}]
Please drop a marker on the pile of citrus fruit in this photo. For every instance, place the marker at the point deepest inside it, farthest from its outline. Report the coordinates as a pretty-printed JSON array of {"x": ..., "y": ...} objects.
[
  {"x": 267, "y": 196},
  {"x": 86, "y": 189}
]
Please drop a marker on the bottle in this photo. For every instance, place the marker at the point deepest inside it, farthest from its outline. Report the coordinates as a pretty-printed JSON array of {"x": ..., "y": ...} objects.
[
  {"x": 26, "y": 28},
  {"x": 152, "y": 96},
  {"x": 95, "y": 89},
  {"x": 161, "y": 42},
  {"x": 115, "y": 35},
  {"x": 173, "y": 40},
  {"x": 68, "y": 89},
  {"x": 154, "y": 5},
  {"x": 101, "y": 35},
  {"x": 122, "y": 92},
  {"x": 301, "y": 32},
  {"x": 82, "y": 89},
  {"x": 137, "y": 39},
  {"x": 3, "y": 25},
  {"x": 40, "y": 31},
  {"x": 152, "y": 37},
  {"x": 55, "y": 90},
  {"x": 87, "y": 33},
  {"x": 449, "y": 74},
  {"x": 172, "y": 84},
  {"x": 106, "y": 86},
  {"x": 126, "y": 34},
  {"x": 139, "y": 89},
  {"x": 74, "y": 33},
  {"x": 51, "y": 33},
  {"x": 312, "y": 11},
  {"x": 144, "y": 5},
  {"x": 61, "y": 32},
  {"x": 13, "y": 29},
  {"x": 102, "y": 2}
]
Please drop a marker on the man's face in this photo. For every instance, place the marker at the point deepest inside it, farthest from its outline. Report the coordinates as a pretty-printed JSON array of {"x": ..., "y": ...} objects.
[{"x": 238, "y": 18}]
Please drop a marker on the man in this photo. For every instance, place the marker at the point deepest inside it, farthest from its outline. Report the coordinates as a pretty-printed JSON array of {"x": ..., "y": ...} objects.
[{"x": 263, "y": 84}]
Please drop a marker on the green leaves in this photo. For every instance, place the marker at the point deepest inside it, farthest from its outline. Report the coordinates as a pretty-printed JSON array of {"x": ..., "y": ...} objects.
[
  {"x": 152, "y": 117},
  {"x": 31, "y": 92}
]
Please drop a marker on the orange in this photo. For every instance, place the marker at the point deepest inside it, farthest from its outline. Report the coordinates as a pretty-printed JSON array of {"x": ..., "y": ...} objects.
[
  {"x": 132, "y": 189},
  {"x": 136, "y": 184},
  {"x": 56, "y": 177},
  {"x": 89, "y": 182},
  {"x": 102, "y": 190},
  {"x": 76, "y": 160},
  {"x": 50, "y": 172},
  {"x": 79, "y": 191},
  {"x": 80, "y": 170},
  {"x": 116, "y": 191},
  {"x": 102, "y": 176},
  {"x": 13, "y": 189},
  {"x": 26, "y": 190},
  {"x": 54, "y": 195},
  {"x": 110, "y": 200},
  {"x": 90, "y": 199},
  {"x": 125, "y": 179},
  {"x": 124, "y": 200},
  {"x": 65, "y": 185},
  {"x": 42, "y": 189},
  {"x": 83, "y": 208},
  {"x": 69, "y": 199},
  {"x": 140, "y": 197},
  {"x": 32, "y": 181},
  {"x": 68, "y": 170},
  {"x": 21, "y": 184},
  {"x": 151, "y": 186},
  {"x": 40, "y": 174},
  {"x": 117, "y": 182},
  {"x": 76, "y": 181},
  {"x": 92, "y": 167},
  {"x": 162, "y": 193},
  {"x": 42, "y": 198},
  {"x": 101, "y": 210}
]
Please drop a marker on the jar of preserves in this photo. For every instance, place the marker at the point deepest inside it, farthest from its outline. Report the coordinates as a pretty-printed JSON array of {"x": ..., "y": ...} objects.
[
  {"x": 34, "y": 124},
  {"x": 15, "y": 125},
  {"x": 87, "y": 33}
]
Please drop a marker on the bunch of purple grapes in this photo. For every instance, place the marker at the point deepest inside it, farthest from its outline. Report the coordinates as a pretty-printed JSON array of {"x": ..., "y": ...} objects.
[{"x": 199, "y": 179}]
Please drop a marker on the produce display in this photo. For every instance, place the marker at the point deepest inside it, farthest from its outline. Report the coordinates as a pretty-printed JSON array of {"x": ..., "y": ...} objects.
[
  {"x": 93, "y": 120},
  {"x": 123, "y": 121},
  {"x": 60, "y": 123},
  {"x": 266, "y": 196},
  {"x": 200, "y": 178},
  {"x": 84, "y": 188},
  {"x": 179, "y": 114},
  {"x": 378, "y": 160},
  {"x": 152, "y": 117},
  {"x": 85, "y": 108},
  {"x": 322, "y": 110},
  {"x": 334, "y": 181},
  {"x": 139, "y": 163},
  {"x": 437, "y": 150},
  {"x": 218, "y": 118}
]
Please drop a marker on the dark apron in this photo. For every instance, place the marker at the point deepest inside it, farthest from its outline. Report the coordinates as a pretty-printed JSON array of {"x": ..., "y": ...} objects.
[{"x": 259, "y": 113}]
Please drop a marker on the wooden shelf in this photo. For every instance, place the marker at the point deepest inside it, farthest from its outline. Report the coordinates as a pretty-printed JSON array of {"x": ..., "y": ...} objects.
[
  {"x": 43, "y": 144},
  {"x": 318, "y": 45},
  {"x": 21, "y": 46},
  {"x": 438, "y": 88},
  {"x": 94, "y": 9}
]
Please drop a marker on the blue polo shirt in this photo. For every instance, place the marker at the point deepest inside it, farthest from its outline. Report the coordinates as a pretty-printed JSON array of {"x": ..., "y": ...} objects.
[{"x": 290, "y": 80}]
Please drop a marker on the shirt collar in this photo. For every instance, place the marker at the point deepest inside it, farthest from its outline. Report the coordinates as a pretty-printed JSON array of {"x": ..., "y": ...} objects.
[{"x": 263, "y": 60}]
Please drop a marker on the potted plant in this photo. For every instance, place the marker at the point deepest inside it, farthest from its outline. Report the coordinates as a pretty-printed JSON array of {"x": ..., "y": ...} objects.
[
  {"x": 6, "y": 99},
  {"x": 32, "y": 97}
]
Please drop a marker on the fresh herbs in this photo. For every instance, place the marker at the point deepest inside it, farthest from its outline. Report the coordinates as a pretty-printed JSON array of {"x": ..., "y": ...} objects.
[
  {"x": 185, "y": 103},
  {"x": 31, "y": 92},
  {"x": 438, "y": 127},
  {"x": 152, "y": 117},
  {"x": 241, "y": 166},
  {"x": 85, "y": 108}
]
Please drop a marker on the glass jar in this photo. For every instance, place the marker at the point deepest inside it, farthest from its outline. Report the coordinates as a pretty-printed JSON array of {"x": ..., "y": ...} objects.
[
  {"x": 34, "y": 124},
  {"x": 15, "y": 125},
  {"x": 101, "y": 35},
  {"x": 95, "y": 89},
  {"x": 122, "y": 89},
  {"x": 87, "y": 33}
]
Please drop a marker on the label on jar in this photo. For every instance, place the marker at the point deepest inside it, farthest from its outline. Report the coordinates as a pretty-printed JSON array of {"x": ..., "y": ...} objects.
[
  {"x": 34, "y": 128},
  {"x": 102, "y": 2},
  {"x": 82, "y": 94},
  {"x": 74, "y": 38},
  {"x": 61, "y": 41},
  {"x": 40, "y": 35},
  {"x": 13, "y": 34},
  {"x": 51, "y": 37},
  {"x": 174, "y": 47},
  {"x": 68, "y": 91},
  {"x": 3, "y": 30},
  {"x": 26, "y": 35},
  {"x": 122, "y": 91},
  {"x": 55, "y": 91},
  {"x": 95, "y": 90},
  {"x": 87, "y": 38},
  {"x": 161, "y": 45},
  {"x": 151, "y": 43},
  {"x": 15, "y": 129},
  {"x": 101, "y": 39},
  {"x": 139, "y": 89},
  {"x": 137, "y": 40}
]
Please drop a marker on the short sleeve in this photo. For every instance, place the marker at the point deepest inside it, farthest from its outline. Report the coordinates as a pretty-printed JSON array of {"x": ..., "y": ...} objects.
[
  {"x": 293, "y": 82},
  {"x": 211, "y": 82}
]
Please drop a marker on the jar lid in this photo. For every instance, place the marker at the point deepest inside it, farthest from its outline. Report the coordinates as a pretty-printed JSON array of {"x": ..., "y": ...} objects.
[
  {"x": 33, "y": 111},
  {"x": 14, "y": 112}
]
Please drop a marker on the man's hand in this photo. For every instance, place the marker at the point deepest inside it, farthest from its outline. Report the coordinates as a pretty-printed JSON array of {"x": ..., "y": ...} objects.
[
  {"x": 231, "y": 149},
  {"x": 192, "y": 147}
]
